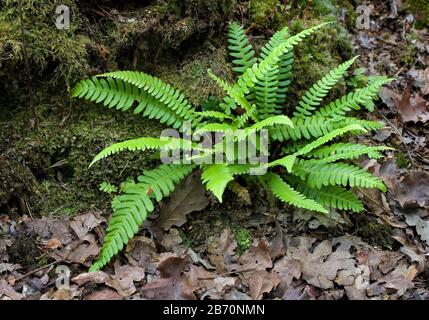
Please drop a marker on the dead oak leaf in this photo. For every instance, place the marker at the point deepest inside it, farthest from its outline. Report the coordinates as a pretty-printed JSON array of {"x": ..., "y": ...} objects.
[
  {"x": 260, "y": 282},
  {"x": 174, "y": 284},
  {"x": 189, "y": 196},
  {"x": 84, "y": 223},
  {"x": 413, "y": 190},
  {"x": 257, "y": 257},
  {"x": 412, "y": 109},
  {"x": 222, "y": 251},
  {"x": 124, "y": 278},
  {"x": 104, "y": 294}
]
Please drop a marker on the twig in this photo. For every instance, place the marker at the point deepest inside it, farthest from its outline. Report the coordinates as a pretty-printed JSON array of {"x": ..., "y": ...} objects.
[
  {"x": 27, "y": 65},
  {"x": 37, "y": 270},
  {"x": 400, "y": 137}
]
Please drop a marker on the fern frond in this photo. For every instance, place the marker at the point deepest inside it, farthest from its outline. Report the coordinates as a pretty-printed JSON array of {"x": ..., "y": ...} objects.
[
  {"x": 271, "y": 121},
  {"x": 158, "y": 89},
  {"x": 214, "y": 114},
  {"x": 285, "y": 65},
  {"x": 240, "y": 48},
  {"x": 313, "y": 96},
  {"x": 120, "y": 94},
  {"x": 140, "y": 144},
  {"x": 216, "y": 177},
  {"x": 315, "y": 127},
  {"x": 346, "y": 151},
  {"x": 332, "y": 196},
  {"x": 107, "y": 187},
  {"x": 131, "y": 208},
  {"x": 250, "y": 77},
  {"x": 354, "y": 99},
  {"x": 324, "y": 174},
  {"x": 287, "y": 194}
]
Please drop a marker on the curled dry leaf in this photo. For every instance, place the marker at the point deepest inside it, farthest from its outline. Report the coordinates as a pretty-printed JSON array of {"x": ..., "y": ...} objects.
[
  {"x": 84, "y": 223},
  {"x": 412, "y": 109},
  {"x": 124, "y": 278},
  {"x": 189, "y": 196},
  {"x": 256, "y": 258},
  {"x": 222, "y": 250},
  {"x": 413, "y": 190},
  {"x": 104, "y": 294},
  {"x": 93, "y": 277},
  {"x": 174, "y": 284},
  {"x": 261, "y": 282}
]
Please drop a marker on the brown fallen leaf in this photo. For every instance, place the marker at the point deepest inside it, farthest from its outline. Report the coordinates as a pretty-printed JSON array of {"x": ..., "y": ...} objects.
[
  {"x": 174, "y": 284},
  {"x": 222, "y": 251},
  {"x": 257, "y": 257},
  {"x": 412, "y": 109},
  {"x": 84, "y": 223},
  {"x": 413, "y": 190},
  {"x": 261, "y": 282},
  {"x": 124, "y": 278},
  {"x": 93, "y": 277},
  {"x": 48, "y": 228},
  {"x": 141, "y": 251},
  {"x": 189, "y": 196},
  {"x": 8, "y": 291},
  {"x": 170, "y": 239},
  {"x": 287, "y": 269},
  {"x": 277, "y": 247},
  {"x": 104, "y": 294}
]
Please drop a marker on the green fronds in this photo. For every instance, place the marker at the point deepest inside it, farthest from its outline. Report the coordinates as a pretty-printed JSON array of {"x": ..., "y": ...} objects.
[
  {"x": 122, "y": 94},
  {"x": 287, "y": 194},
  {"x": 250, "y": 77},
  {"x": 131, "y": 208},
  {"x": 214, "y": 114},
  {"x": 332, "y": 196},
  {"x": 346, "y": 151},
  {"x": 314, "y": 96},
  {"x": 271, "y": 121},
  {"x": 216, "y": 177},
  {"x": 107, "y": 187},
  {"x": 315, "y": 127},
  {"x": 240, "y": 48},
  {"x": 319, "y": 174},
  {"x": 354, "y": 100},
  {"x": 328, "y": 137},
  {"x": 140, "y": 144}
]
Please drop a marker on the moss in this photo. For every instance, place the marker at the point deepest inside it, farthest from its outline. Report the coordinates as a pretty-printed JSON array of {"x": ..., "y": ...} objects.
[
  {"x": 243, "y": 239},
  {"x": 57, "y": 56},
  {"x": 192, "y": 78},
  {"x": 421, "y": 9},
  {"x": 377, "y": 233},
  {"x": 401, "y": 160},
  {"x": 58, "y": 154}
]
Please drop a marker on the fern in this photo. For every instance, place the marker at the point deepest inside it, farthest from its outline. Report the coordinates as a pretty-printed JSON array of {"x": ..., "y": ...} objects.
[
  {"x": 317, "y": 175},
  {"x": 313, "y": 96},
  {"x": 240, "y": 48},
  {"x": 286, "y": 193},
  {"x": 132, "y": 207}
]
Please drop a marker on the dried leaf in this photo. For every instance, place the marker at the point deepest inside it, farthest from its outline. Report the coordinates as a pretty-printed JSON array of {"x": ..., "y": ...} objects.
[
  {"x": 93, "y": 277},
  {"x": 105, "y": 294},
  {"x": 189, "y": 196},
  {"x": 124, "y": 278},
  {"x": 412, "y": 109},
  {"x": 84, "y": 223},
  {"x": 222, "y": 251},
  {"x": 261, "y": 282},
  {"x": 173, "y": 284},
  {"x": 413, "y": 190},
  {"x": 257, "y": 257}
]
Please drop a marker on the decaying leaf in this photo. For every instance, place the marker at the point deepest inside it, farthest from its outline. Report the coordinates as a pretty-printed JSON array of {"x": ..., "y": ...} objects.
[
  {"x": 222, "y": 251},
  {"x": 174, "y": 284},
  {"x": 413, "y": 190},
  {"x": 257, "y": 257},
  {"x": 171, "y": 239},
  {"x": 261, "y": 282},
  {"x": 104, "y": 294},
  {"x": 84, "y": 223},
  {"x": 412, "y": 109},
  {"x": 124, "y": 278},
  {"x": 189, "y": 196}
]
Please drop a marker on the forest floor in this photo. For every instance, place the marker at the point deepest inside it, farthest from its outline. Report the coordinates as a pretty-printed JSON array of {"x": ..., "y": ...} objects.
[{"x": 241, "y": 251}]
